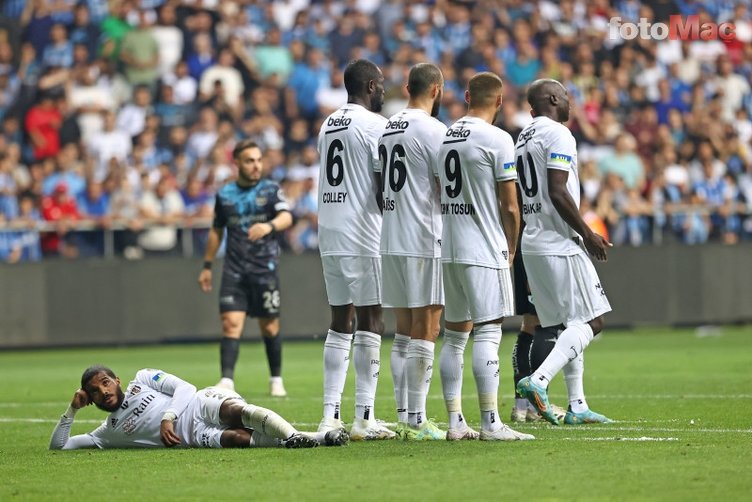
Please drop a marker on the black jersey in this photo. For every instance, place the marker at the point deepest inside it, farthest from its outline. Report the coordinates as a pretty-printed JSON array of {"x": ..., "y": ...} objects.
[{"x": 238, "y": 208}]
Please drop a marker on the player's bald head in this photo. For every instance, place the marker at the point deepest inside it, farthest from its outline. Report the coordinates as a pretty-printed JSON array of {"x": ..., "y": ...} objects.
[
  {"x": 484, "y": 89},
  {"x": 364, "y": 82},
  {"x": 549, "y": 97},
  {"x": 422, "y": 78}
]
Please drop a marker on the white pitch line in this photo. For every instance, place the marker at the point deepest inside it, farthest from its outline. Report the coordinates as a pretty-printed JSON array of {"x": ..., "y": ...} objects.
[
  {"x": 643, "y": 438},
  {"x": 8, "y": 420}
]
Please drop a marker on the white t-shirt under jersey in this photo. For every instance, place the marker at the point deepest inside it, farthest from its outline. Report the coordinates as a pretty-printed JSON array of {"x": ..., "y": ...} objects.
[
  {"x": 473, "y": 157},
  {"x": 349, "y": 217},
  {"x": 543, "y": 145},
  {"x": 412, "y": 201}
]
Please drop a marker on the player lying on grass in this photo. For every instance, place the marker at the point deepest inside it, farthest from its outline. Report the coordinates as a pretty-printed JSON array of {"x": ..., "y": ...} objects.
[{"x": 158, "y": 409}]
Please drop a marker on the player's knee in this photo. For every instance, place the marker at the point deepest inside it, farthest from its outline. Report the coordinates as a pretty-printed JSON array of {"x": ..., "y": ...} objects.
[
  {"x": 597, "y": 325},
  {"x": 269, "y": 328},
  {"x": 231, "y": 326}
]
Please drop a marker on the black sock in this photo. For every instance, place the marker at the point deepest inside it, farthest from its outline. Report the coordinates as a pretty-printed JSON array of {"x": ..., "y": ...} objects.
[
  {"x": 543, "y": 343},
  {"x": 228, "y": 355},
  {"x": 521, "y": 358},
  {"x": 274, "y": 354}
]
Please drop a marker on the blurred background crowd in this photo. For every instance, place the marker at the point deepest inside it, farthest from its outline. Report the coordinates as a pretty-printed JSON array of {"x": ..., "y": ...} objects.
[{"x": 118, "y": 118}]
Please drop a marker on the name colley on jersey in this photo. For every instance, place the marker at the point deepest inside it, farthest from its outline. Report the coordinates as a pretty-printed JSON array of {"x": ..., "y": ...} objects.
[{"x": 335, "y": 161}]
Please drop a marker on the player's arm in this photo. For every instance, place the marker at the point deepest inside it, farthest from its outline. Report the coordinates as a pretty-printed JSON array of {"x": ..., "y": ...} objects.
[
  {"x": 214, "y": 240},
  {"x": 61, "y": 439},
  {"x": 282, "y": 218},
  {"x": 181, "y": 392},
  {"x": 567, "y": 209},
  {"x": 509, "y": 211}
]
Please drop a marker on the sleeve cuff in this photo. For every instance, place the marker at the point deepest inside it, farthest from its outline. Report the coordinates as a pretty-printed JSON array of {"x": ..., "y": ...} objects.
[
  {"x": 70, "y": 412},
  {"x": 170, "y": 415}
]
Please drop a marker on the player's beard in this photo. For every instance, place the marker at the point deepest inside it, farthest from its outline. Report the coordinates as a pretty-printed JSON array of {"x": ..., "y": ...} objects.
[
  {"x": 118, "y": 402},
  {"x": 246, "y": 180},
  {"x": 377, "y": 103}
]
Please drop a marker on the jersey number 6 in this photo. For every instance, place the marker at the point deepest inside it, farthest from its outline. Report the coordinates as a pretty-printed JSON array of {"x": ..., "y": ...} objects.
[
  {"x": 334, "y": 159},
  {"x": 397, "y": 170}
]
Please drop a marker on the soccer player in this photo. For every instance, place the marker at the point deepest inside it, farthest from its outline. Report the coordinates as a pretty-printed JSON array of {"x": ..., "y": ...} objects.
[
  {"x": 349, "y": 234},
  {"x": 481, "y": 222},
  {"x": 563, "y": 282},
  {"x": 253, "y": 209},
  {"x": 411, "y": 246},
  {"x": 533, "y": 344},
  {"x": 158, "y": 409}
]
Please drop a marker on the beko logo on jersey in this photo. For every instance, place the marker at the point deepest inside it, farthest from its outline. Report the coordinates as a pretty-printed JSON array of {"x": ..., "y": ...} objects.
[
  {"x": 144, "y": 404},
  {"x": 458, "y": 133},
  {"x": 338, "y": 122},
  {"x": 398, "y": 124},
  {"x": 525, "y": 136}
]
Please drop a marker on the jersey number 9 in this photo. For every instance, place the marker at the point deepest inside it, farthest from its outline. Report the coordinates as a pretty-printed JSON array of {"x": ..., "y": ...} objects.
[{"x": 453, "y": 172}]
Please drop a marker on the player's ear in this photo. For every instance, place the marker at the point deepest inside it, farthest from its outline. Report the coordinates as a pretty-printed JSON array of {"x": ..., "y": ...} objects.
[
  {"x": 467, "y": 96},
  {"x": 371, "y": 86}
]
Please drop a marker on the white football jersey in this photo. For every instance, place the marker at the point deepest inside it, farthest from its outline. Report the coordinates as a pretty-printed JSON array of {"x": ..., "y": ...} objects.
[
  {"x": 136, "y": 423},
  {"x": 412, "y": 200},
  {"x": 546, "y": 144},
  {"x": 473, "y": 157},
  {"x": 349, "y": 217}
]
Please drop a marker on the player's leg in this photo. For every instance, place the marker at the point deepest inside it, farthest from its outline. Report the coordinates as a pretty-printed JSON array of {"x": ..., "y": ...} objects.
[
  {"x": 490, "y": 295},
  {"x": 235, "y": 413},
  {"x": 544, "y": 340},
  {"x": 420, "y": 362},
  {"x": 269, "y": 327},
  {"x": 395, "y": 297},
  {"x": 398, "y": 360},
  {"x": 233, "y": 306},
  {"x": 264, "y": 305},
  {"x": 569, "y": 288},
  {"x": 364, "y": 275},
  {"x": 229, "y": 346},
  {"x": 521, "y": 349},
  {"x": 457, "y": 327},
  {"x": 337, "y": 343}
]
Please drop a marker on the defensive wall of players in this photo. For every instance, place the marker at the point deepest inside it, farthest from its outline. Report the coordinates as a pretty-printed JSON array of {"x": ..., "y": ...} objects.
[{"x": 92, "y": 302}]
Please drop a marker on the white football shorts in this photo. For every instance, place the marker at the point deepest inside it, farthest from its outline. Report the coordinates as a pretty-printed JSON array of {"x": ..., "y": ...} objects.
[
  {"x": 565, "y": 289},
  {"x": 352, "y": 279},
  {"x": 411, "y": 281},
  {"x": 207, "y": 428},
  {"x": 478, "y": 294}
]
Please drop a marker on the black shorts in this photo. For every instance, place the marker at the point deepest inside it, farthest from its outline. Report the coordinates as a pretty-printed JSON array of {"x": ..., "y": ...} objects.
[
  {"x": 522, "y": 303},
  {"x": 255, "y": 294}
]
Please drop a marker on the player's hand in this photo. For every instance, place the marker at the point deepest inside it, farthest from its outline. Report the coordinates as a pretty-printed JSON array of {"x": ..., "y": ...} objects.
[
  {"x": 597, "y": 246},
  {"x": 167, "y": 433},
  {"x": 205, "y": 280},
  {"x": 80, "y": 399},
  {"x": 259, "y": 230}
]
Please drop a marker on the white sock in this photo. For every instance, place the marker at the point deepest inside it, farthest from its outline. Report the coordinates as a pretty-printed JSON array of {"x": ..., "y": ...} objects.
[
  {"x": 570, "y": 344},
  {"x": 266, "y": 422},
  {"x": 259, "y": 440},
  {"x": 573, "y": 372},
  {"x": 486, "y": 339},
  {"x": 336, "y": 361},
  {"x": 367, "y": 359},
  {"x": 451, "y": 364},
  {"x": 399, "y": 375},
  {"x": 419, "y": 372}
]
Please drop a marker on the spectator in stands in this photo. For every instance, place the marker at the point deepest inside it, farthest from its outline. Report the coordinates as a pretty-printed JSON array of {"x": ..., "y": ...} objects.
[
  {"x": 202, "y": 57},
  {"x": 203, "y": 136},
  {"x": 84, "y": 31},
  {"x": 60, "y": 50},
  {"x": 26, "y": 237},
  {"x": 139, "y": 53},
  {"x": 185, "y": 87},
  {"x": 132, "y": 117},
  {"x": 162, "y": 209},
  {"x": 60, "y": 208},
  {"x": 624, "y": 163},
  {"x": 43, "y": 123},
  {"x": 114, "y": 28},
  {"x": 111, "y": 143},
  {"x": 274, "y": 59},
  {"x": 94, "y": 207},
  {"x": 169, "y": 40}
]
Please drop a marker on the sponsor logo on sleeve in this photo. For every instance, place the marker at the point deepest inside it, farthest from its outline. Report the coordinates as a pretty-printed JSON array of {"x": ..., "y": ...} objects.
[
  {"x": 561, "y": 159},
  {"x": 159, "y": 376},
  {"x": 510, "y": 166}
]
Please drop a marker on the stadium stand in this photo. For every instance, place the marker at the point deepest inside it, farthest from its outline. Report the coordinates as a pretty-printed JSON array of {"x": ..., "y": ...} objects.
[{"x": 110, "y": 110}]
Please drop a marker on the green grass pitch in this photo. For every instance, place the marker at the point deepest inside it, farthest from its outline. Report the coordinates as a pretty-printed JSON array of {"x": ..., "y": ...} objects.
[{"x": 683, "y": 406}]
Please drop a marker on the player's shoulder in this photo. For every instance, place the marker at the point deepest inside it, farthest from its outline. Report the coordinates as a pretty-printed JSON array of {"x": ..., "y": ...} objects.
[
  {"x": 553, "y": 129},
  {"x": 227, "y": 190}
]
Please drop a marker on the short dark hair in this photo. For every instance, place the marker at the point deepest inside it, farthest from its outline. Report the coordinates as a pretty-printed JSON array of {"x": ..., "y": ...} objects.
[
  {"x": 243, "y": 145},
  {"x": 422, "y": 77},
  {"x": 93, "y": 371},
  {"x": 483, "y": 88},
  {"x": 357, "y": 75}
]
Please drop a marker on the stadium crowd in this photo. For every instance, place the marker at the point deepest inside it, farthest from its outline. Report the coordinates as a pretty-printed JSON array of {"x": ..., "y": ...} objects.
[{"x": 120, "y": 116}]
